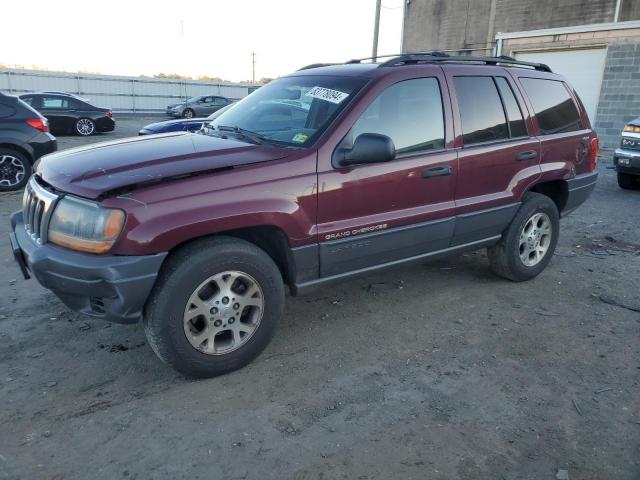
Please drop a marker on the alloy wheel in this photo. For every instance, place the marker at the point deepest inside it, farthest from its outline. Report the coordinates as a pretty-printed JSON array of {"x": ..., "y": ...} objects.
[
  {"x": 12, "y": 170},
  {"x": 223, "y": 312},
  {"x": 535, "y": 239},
  {"x": 85, "y": 127}
]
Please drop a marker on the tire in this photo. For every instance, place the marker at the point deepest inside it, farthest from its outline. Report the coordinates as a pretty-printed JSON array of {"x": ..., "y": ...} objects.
[
  {"x": 627, "y": 181},
  {"x": 84, "y": 127},
  {"x": 188, "y": 113},
  {"x": 517, "y": 257},
  {"x": 172, "y": 320},
  {"x": 15, "y": 170}
]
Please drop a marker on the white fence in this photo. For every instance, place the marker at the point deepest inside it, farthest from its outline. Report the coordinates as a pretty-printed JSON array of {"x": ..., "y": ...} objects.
[{"x": 121, "y": 94}]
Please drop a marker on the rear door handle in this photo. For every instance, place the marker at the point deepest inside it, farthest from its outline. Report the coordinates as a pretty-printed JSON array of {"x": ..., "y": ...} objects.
[
  {"x": 528, "y": 155},
  {"x": 437, "y": 171}
]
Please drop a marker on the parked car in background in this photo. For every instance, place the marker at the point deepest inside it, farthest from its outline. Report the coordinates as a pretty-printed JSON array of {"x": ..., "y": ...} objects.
[
  {"x": 626, "y": 158},
  {"x": 24, "y": 138},
  {"x": 418, "y": 157},
  {"x": 68, "y": 114},
  {"x": 199, "y": 106},
  {"x": 181, "y": 125}
]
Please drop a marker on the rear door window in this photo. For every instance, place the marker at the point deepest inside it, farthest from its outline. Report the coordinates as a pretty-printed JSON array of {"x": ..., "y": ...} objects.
[
  {"x": 55, "y": 103},
  {"x": 410, "y": 113},
  {"x": 554, "y": 108},
  {"x": 481, "y": 111},
  {"x": 511, "y": 108}
]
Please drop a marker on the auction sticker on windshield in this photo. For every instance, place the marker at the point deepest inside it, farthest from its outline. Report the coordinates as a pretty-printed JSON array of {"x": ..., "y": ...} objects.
[{"x": 333, "y": 96}]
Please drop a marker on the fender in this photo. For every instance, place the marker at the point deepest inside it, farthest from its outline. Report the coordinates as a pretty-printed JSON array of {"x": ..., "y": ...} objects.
[{"x": 282, "y": 195}]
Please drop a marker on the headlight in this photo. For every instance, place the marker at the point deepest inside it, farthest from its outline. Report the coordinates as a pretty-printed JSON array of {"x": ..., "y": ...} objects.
[
  {"x": 85, "y": 226},
  {"x": 631, "y": 128}
]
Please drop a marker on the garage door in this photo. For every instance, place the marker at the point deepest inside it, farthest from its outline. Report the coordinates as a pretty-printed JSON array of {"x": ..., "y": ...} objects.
[{"x": 583, "y": 68}]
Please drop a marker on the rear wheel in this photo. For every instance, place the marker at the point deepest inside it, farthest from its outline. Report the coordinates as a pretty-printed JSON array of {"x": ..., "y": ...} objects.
[
  {"x": 15, "y": 170},
  {"x": 215, "y": 306},
  {"x": 628, "y": 181},
  {"x": 528, "y": 243},
  {"x": 85, "y": 127},
  {"x": 188, "y": 113}
]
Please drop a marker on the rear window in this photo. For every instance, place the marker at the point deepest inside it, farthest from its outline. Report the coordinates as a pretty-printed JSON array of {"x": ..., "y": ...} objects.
[
  {"x": 554, "y": 108},
  {"x": 481, "y": 112}
]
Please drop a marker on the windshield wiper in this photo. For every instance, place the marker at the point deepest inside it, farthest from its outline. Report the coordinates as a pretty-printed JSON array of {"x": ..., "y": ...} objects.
[{"x": 256, "y": 137}]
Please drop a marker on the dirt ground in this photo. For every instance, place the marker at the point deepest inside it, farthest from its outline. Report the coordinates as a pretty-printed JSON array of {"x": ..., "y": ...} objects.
[{"x": 435, "y": 371}]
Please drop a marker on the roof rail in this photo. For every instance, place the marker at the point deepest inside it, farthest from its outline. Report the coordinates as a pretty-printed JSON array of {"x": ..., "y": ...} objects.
[
  {"x": 427, "y": 57},
  {"x": 317, "y": 65},
  {"x": 413, "y": 58}
]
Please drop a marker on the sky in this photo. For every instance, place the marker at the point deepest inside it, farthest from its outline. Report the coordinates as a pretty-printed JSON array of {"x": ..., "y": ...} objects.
[{"x": 213, "y": 38}]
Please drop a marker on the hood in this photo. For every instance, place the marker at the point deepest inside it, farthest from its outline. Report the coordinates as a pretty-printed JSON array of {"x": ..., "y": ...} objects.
[
  {"x": 159, "y": 126},
  {"x": 94, "y": 170},
  {"x": 635, "y": 122}
]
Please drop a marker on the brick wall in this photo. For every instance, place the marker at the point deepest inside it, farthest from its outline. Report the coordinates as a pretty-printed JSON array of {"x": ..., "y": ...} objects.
[
  {"x": 457, "y": 24},
  {"x": 620, "y": 93}
]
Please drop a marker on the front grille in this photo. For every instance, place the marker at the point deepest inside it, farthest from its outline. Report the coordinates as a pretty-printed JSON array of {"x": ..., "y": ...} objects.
[
  {"x": 37, "y": 207},
  {"x": 630, "y": 143}
]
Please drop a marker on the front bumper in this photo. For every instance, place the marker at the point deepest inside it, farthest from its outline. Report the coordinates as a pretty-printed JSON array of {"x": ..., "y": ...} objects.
[
  {"x": 578, "y": 190},
  {"x": 633, "y": 158},
  {"x": 114, "y": 288}
]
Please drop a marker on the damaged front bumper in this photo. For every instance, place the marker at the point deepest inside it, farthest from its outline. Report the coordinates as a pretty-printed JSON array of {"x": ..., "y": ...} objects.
[{"x": 114, "y": 288}]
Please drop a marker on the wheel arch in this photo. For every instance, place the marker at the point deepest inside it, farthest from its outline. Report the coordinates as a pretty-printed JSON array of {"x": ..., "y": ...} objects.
[
  {"x": 556, "y": 190},
  {"x": 269, "y": 238},
  {"x": 18, "y": 148}
]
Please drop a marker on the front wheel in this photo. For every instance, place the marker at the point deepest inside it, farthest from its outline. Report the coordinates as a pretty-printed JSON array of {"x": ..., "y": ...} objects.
[
  {"x": 15, "y": 170},
  {"x": 188, "y": 113},
  {"x": 528, "y": 243},
  {"x": 628, "y": 181},
  {"x": 214, "y": 307},
  {"x": 85, "y": 127}
]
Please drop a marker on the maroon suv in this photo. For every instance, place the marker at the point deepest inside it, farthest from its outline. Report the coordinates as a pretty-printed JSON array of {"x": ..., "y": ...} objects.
[{"x": 326, "y": 173}]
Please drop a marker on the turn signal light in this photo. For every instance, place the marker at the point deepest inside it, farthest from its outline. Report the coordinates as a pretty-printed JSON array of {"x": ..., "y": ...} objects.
[
  {"x": 39, "y": 124},
  {"x": 593, "y": 153}
]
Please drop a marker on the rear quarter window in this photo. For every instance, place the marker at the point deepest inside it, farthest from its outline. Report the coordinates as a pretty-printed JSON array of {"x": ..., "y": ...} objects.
[{"x": 553, "y": 105}]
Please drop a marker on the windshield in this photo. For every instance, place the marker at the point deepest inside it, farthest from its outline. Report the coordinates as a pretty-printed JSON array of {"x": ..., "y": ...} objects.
[{"x": 293, "y": 110}]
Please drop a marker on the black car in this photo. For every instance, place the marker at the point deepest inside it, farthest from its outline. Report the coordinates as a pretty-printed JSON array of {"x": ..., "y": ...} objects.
[
  {"x": 68, "y": 114},
  {"x": 182, "y": 125},
  {"x": 24, "y": 137}
]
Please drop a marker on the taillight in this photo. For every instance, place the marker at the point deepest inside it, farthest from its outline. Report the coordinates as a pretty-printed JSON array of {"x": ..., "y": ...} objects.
[
  {"x": 39, "y": 124},
  {"x": 593, "y": 153},
  {"x": 109, "y": 114}
]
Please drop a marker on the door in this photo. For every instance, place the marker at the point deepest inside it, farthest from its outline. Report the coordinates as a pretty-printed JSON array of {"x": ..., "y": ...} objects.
[
  {"x": 584, "y": 68},
  {"x": 56, "y": 109},
  {"x": 373, "y": 214},
  {"x": 563, "y": 133},
  {"x": 205, "y": 107},
  {"x": 496, "y": 157}
]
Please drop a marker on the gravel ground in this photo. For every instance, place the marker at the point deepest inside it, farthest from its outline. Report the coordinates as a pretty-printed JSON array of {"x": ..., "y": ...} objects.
[{"x": 434, "y": 371}]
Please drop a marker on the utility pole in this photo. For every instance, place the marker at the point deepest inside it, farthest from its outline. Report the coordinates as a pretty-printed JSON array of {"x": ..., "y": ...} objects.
[
  {"x": 376, "y": 29},
  {"x": 253, "y": 67}
]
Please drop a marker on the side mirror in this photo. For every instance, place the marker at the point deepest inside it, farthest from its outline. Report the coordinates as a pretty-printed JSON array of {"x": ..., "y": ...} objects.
[{"x": 367, "y": 148}]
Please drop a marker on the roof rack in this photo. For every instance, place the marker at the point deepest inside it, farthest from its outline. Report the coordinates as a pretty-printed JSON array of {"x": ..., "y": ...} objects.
[
  {"x": 427, "y": 57},
  {"x": 398, "y": 59},
  {"x": 317, "y": 65}
]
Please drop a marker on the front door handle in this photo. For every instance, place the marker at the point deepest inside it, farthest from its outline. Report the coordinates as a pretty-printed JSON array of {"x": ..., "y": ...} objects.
[
  {"x": 437, "y": 171},
  {"x": 528, "y": 155}
]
